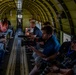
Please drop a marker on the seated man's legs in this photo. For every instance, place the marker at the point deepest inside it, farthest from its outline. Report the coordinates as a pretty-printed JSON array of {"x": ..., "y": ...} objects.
[
  {"x": 10, "y": 31},
  {"x": 3, "y": 41},
  {"x": 39, "y": 66},
  {"x": 7, "y": 32},
  {"x": 34, "y": 71},
  {"x": 1, "y": 46},
  {"x": 61, "y": 71},
  {"x": 66, "y": 71},
  {"x": 34, "y": 55}
]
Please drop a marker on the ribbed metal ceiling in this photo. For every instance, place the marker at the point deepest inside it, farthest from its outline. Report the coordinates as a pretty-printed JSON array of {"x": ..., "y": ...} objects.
[{"x": 61, "y": 13}]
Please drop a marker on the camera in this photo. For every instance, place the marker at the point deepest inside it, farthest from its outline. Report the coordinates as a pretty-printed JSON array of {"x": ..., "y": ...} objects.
[
  {"x": 26, "y": 41},
  {"x": 29, "y": 43}
]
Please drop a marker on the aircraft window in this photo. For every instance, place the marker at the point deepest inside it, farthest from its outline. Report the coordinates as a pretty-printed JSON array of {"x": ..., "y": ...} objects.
[{"x": 66, "y": 37}]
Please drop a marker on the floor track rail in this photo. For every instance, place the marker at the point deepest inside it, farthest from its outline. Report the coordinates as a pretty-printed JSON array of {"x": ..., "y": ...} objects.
[{"x": 17, "y": 64}]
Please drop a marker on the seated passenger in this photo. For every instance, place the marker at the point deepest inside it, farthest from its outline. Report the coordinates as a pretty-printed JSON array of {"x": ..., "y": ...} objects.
[
  {"x": 4, "y": 28},
  {"x": 65, "y": 66},
  {"x": 50, "y": 48},
  {"x": 36, "y": 31}
]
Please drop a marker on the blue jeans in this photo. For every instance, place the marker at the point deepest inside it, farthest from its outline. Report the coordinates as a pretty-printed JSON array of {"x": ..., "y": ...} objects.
[{"x": 7, "y": 32}]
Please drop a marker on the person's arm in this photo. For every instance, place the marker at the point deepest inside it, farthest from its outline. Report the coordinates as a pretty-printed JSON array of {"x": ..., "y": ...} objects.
[
  {"x": 51, "y": 57},
  {"x": 38, "y": 33},
  {"x": 38, "y": 52},
  {"x": 41, "y": 43},
  {"x": 3, "y": 40}
]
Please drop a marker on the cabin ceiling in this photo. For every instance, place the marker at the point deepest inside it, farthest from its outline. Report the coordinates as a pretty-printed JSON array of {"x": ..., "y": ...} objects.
[{"x": 61, "y": 13}]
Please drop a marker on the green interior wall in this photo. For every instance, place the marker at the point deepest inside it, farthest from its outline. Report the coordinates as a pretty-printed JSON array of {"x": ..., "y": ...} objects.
[
  {"x": 65, "y": 25},
  {"x": 26, "y": 16},
  {"x": 71, "y": 5},
  {"x": 11, "y": 17}
]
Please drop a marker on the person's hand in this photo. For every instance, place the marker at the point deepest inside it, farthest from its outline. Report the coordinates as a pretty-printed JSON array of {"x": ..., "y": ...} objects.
[
  {"x": 46, "y": 59},
  {"x": 32, "y": 48},
  {"x": 4, "y": 40},
  {"x": 41, "y": 43},
  {"x": 33, "y": 36}
]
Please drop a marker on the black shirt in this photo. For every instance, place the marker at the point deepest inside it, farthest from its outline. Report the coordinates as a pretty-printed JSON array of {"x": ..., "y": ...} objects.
[{"x": 67, "y": 57}]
